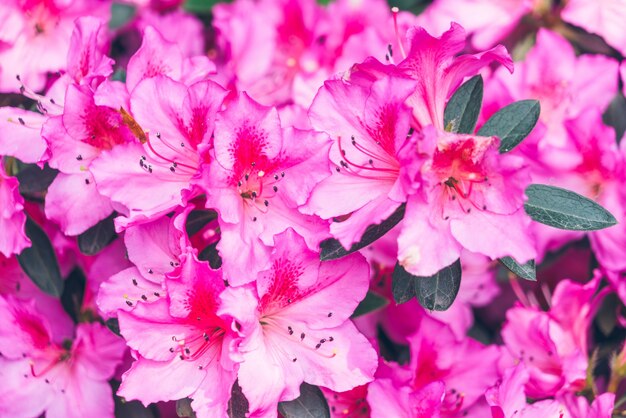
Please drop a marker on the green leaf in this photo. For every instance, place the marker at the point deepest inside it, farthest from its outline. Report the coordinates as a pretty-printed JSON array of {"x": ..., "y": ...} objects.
[
  {"x": 331, "y": 249},
  {"x": 464, "y": 106},
  {"x": 183, "y": 408},
  {"x": 237, "y": 404},
  {"x": 199, "y": 6},
  {"x": 35, "y": 180},
  {"x": 525, "y": 271},
  {"x": 212, "y": 255},
  {"x": 565, "y": 209},
  {"x": 93, "y": 240},
  {"x": 121, "y": 14},
  {"x": 512, "y": 123},
  {"x": 114, "y": 325},
  {"x": 402, "y": 286},
  {"x": 39, "y": 261},
  {"x": 436, "y": 293},
  {"x": 371, "y": 303},
  {"x": 73, "y": 293},
  {"x": 614, "y": 115},
  {"x": 310, "y": 404},
  {"x": 198, "y": 219}
]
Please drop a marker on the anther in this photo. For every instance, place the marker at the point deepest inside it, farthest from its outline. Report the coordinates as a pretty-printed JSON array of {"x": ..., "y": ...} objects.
[
  {"x": 157, "y": 294},
  {"x": 21, "y": 121},
  {"x": 144, "y": 298},
  {"x": 135, "y": 282},
  {"x": 330, "y": 314},
  {"x": 275, "y": 188},
  {"x": 290, "y": 330},
  {"x": 79, "y": 157},
  {"x": 266, "y": 203},
  {"x": 150, "y": 271},
  {"x": 302, "y": 336},
  {"x": 129, "y": 303},
  {"x": 86, "y": 181}
]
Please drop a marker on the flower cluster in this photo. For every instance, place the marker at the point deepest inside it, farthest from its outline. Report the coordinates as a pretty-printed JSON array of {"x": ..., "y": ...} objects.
[{"x": 281, "y": 208}]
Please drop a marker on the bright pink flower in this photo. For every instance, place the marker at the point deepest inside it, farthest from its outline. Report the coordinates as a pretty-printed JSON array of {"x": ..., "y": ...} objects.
[
  {"x": 369, "y": 124},
  {"x": 489, "y": 21},
  {"x": 351, "y": 403},
  {"x": 75, "y": 139},
  {"x": 445, "y": 376},
  {"x": 13, "y": 239},
  {"x": 282, "y": 51},
  {"x": 553, "y": 345},
  {"x": 20, "y": 134},
  {"x": 602, "y": 17},
  {"x": 507, "y": 400},
  {"x": 564, "y": 84},
  {"x": 155, "y": 250},
  {"x": 63, "y": 375},
  {"x": 300, "y": 328},
  {"x": 87, "y": 62},
  {"x": 184, "y": 29},
  {"x": 183, "y": 343},
  {"x": 387, "y": 399},
  {"x": 37, "y": 37},
  {"x": 156, "y": 57},
  {"x": 439, "y": 70},
  {"x": 471, "y": 198},
  {"x": 152, "y": 176},
  {"x": 259, "y": 177}
]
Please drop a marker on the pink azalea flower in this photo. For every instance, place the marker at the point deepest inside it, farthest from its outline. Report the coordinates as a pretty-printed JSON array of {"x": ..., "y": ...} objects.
[
  {"x": 488, "y": 21},
  {"x": 564, "y": 84},
  {"x": 603, "y": 17},
  {"x": 553, "y": 345},
  {"x": 282, "y": 51},
  {"x": 507, "y": 400},
  {"x": 20, "y": 134},
  {"x": 261, "y": 173},
  {"x": 63, "y": 375},
  {"x": 369, "y": 124},
  {"x": 445, "y": 377},
  {"x": 13, "y": 239},
  {"x": 470, "y": 192},
  {"x": 298, "y": 331},
  {"x": 37, "y": 37},
  {"x": 75, "y": 139},
  {"x": 156, "y": 57},
  {"x": 155, "y": 250},
  {"x": 152, "y": 176},
  {"x": 185, "y": 341},
  {"x": 439, "y": 70},
  {"x": 352, "y": 403}
]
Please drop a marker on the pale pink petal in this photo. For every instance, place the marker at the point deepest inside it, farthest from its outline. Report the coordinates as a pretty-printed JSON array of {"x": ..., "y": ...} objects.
[
  {"x": 13, "y": 239},
  {"x": 75, "y": 204},
  {"x": 20, "y": 134}
]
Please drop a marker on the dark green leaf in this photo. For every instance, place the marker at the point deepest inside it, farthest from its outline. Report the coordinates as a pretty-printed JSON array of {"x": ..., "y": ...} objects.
[
  {"x": 73, "y": 293},
  {"x": 121, "y": 14},
  {"x": 211, "y": 255},
  {"x": 371, "y": 303},
  {"x": 93, "y": 240},
  {"x": 114, "y": 325},
  {"x": 199, "y": 6},
  {"x": 331, "y": 249},
  {"x": 197, "y": 220},
  {"x": 183, "y": 408},
  {"x": 512, "y": 123},
  {"x": 525, "y": 271},
  {"x": 402, "y": 285},
  {"x": 35, "y": 180},
  {"x": 39, "y": 261},
  {"x": 464, "y": 106},
  {"x": 565, "y": 209},
  {"x": 310, "y": 404},
  {"x": 237, "y": 404},
  {"x": 119, "y": 75},
  {"x": 436, "y": 293},
  {"x": 614, "y": 115}
]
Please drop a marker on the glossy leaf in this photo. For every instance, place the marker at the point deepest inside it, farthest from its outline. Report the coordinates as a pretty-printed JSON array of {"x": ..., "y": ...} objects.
[
  {"x": 512, "y": 123},
  {"x": 198, "y": 219},
  {"x": 93, "y": 240},
  {"x": 438, "y": 292},
  {"x": 402, "y": 286},
  {"x": 35, "y": 180},
  {"x": 564, "y": 209},
  {"x": 526, "y": 271},
  {"x": 73, "y": 293},
  {"x": 113, "y": 325},
  {"x": 371, "y": 303},
  {"x": 238, "y": 405},
  {"x": 331, "y": 249},
  {"x": 39, "y": 261},
  {"x": 311, "y": 404},
  {"x": 463, "y": 108}
]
